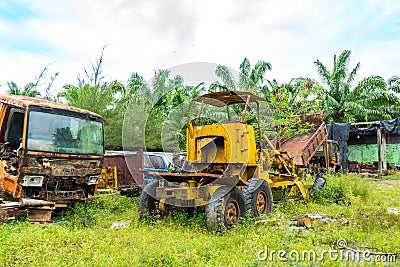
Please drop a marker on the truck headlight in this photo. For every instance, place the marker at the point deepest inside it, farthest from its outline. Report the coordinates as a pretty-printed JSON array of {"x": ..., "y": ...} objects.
[
  {"x": 31, "y": 180},
  {"x": 94, "y": 179}
]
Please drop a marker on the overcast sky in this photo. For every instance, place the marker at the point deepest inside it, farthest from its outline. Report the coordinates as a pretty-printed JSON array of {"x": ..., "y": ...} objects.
[{"x": 147, "y": 35}]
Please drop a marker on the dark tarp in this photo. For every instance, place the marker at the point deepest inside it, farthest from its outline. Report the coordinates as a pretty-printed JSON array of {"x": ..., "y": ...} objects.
[
  {"x": 371, "y": 130},
  {"x": 392, "y": 126},
  {"x": 340, "y": 133}
]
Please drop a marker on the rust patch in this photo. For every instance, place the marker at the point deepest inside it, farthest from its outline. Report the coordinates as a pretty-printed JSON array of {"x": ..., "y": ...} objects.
[
  {"x": 303, "y": 147},
  {"x": 40, "y": 214},
  {"x": 129, "y": 167},
  {"x": 10, "y": 211},
  {"x": 3, "y": 215}
]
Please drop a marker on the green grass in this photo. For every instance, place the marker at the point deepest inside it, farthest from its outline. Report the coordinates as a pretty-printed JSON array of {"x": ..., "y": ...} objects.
[
  {"x": 83, "y": 236},
  {"x": 392, "y": 176}
]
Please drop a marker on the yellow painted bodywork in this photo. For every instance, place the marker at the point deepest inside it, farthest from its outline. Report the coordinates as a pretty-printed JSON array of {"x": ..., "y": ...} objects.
[
  {"x": 236, "y": 143},
  {"x": 222, "y": 145},
  {"x": 108, "y": 178},
  {"x": 191, "y": 196},
  {"x": 228, "y": 153}
]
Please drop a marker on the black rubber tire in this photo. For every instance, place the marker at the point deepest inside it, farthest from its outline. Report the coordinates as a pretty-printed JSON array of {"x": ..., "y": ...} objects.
[
  {"x": 258, "y": 197},
  {"x": 225, "y": 208},
  {"x": 147, "y": 204}
]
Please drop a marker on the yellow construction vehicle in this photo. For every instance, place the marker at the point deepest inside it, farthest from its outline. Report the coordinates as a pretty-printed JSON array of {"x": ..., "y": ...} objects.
[{"x": 233, "y": 168}]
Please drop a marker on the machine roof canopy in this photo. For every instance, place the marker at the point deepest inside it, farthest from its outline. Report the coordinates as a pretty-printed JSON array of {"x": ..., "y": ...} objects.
[{"x": 220, "y": 99}]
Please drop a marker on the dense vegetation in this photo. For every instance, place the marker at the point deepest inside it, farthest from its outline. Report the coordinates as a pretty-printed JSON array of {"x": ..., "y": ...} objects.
[
  {"x": 357, "y": 207},
  {"x": 340, "y": 100}
]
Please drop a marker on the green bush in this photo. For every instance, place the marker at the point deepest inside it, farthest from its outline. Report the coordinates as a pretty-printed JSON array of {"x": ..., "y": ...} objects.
[
  {"x": 99, "y": 211},
  {"x": 341, "y": 190}
]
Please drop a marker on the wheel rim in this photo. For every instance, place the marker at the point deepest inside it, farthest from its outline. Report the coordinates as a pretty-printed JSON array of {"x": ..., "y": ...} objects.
[
  {"x": 261, "y": 202},
  {"x": 232, "y": 212}
]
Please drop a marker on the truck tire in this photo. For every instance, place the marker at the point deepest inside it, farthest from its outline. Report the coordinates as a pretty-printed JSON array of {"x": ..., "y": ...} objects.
[
  {"x": 147, "y": 204},
  {"x": 225, "y": 208},
  {"x": 258, "y": 197}
]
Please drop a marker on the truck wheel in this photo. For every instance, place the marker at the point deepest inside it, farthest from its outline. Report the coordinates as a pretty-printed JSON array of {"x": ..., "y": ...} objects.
[
  {"x": 258, "y": 197},
  {"x": 147, "y": 204},
  {"x": 225, "y": 208}
]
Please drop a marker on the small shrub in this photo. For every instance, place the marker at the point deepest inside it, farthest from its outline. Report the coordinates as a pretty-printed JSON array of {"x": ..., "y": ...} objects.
[
  {"x": 81, "y": 215},
  {"x": 99, "y": 211},
  {"x": 190, "y": 217},
  {"x": 341, "y": 190}
]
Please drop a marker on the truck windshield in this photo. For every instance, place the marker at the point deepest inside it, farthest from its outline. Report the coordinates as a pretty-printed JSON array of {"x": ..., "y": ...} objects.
[{"x": 52, "y": 132}]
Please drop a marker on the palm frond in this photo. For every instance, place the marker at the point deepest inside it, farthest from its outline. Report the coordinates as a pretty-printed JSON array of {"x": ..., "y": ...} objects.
[
  {"x": 245, "y": 67},
  {"x": 258, "y": 72},
  {"x": 226, "y": 76},
  {"x": 353, "y": 73},
  {"x": 344, "y": 59},
  {"x": 322, "y": 71}
]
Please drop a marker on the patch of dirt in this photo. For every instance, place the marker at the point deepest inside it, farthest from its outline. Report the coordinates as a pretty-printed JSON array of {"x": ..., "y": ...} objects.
[{"x": 391, "y": 181}]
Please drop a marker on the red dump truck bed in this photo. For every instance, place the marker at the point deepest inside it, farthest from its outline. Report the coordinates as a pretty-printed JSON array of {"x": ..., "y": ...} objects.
[
  {"x": 303, "y": 147},
  {"x": 129, "y": 167},
  {"x": 125, "y": 169}
]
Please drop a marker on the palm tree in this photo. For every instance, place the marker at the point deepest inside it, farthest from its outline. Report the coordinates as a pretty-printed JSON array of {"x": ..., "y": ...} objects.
[
  {"x": 92, "y": 93},
  {"x": 97, "y": 98},
  {"x": 158, "y": 111},
  {"x": 28, "y": 90},
  {"x": 136, "y": 83},
  {"x": 250, "y": 79},
  {"x": 104, "y": 98},
  {"x": 368, "y": 100}
]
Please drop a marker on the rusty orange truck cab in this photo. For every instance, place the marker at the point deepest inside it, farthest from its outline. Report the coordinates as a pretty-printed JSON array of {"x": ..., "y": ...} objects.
[{"x": 48, "y": 151}]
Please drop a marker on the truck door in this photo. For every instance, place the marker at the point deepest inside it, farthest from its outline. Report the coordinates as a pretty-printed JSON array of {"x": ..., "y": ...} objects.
[{"x": 15, "y": 126}]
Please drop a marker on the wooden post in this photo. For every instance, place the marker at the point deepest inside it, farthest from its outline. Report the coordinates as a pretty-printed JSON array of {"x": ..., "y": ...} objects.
[
  {"x": 200, "y": 110},
  {"x": 245, "y": 108},
  {"x": 379, "y": 142},
  {"x": 384, "y": 162},
  {"x": 327, "y": 154},
  {"x": 259, "y": 125}
]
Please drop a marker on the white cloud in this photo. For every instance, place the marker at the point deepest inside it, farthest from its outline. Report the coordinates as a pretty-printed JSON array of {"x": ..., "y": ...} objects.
[{"x": 145, "y": 35}]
